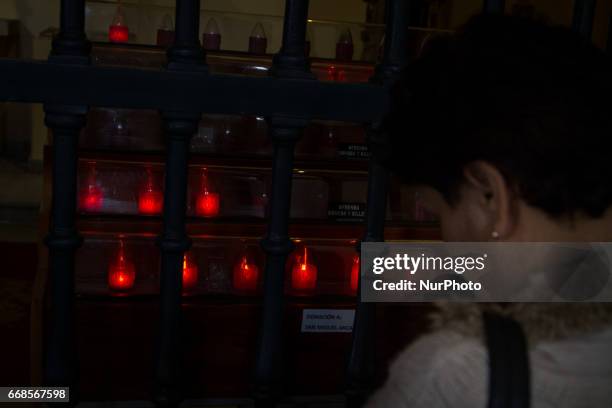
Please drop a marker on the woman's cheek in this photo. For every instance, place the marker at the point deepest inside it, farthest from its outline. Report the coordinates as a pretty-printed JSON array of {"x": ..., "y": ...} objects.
[{"x": 463, "y": 223}]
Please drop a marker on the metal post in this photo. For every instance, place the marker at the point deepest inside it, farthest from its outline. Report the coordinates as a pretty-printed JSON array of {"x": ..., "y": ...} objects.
[
  {"x": 362, "y": 362},
  {"x": 268, "y": 368},
  {"x": 185, "y": 55},
  {"x": 186, "y": 52},
  {"x": 285, "y": 131},
  {"x": 179, "y": 127},
  {"x": 494, "y": 6},
  {"x": 291, "y": 61},
  {"x": 71, "y": 44},
  {"x": 361, "y": 367},
  {"x": 584, "y": 13},
  {"x": 60, "y": 362},
  {"x": 395, "y": 52},
  {"x": 63, "y": 240}
]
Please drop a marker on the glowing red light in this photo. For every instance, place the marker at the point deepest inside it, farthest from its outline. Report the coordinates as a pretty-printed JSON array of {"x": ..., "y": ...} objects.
[
  {"x": 354, "y": 278},
  {"x": 150, "y": 200},
  {"x": 246, "y": 275},
  {"x": 118, "y": 31},
  {"x": 335, "y": 74},
  {"x": 304, "y": 273},
  {"x": 91, "y": 198},
  {"x": 190, "y": 273},
  {"x": 207, "y": 202},
  {"x": 118, "y": 34},
  {"x": 121, "y": 272}
]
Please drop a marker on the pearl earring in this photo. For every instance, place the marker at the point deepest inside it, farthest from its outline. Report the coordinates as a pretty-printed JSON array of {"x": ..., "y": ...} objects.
[{"x": 495, "y": 235}]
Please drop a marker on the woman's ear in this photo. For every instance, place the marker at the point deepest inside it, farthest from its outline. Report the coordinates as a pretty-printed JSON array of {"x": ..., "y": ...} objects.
[{"x": 494, "y": 197}]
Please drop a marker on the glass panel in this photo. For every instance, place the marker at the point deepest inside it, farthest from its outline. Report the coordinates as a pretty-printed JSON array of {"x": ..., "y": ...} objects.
[{"x": 226, "y": 135}]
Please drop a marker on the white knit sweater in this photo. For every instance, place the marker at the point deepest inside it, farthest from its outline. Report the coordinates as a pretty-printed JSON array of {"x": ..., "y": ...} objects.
[{"x": 450, "y": 369}]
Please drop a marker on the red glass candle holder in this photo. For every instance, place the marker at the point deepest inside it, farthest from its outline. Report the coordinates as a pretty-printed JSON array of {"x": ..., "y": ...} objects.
[
  {"x": 118, "y": 34},
  {"x": 344, "y": 51},
  {"x": 91, "y": 199},
  {"x": 335, "y": 74},
  {"x": 165, "y": 33},
  {"x": 211, "y": 38},
  {"x": 190, "y": 274},
  {"x": 150, "y": 202},
  {"x": 258, "y": 42},
  {"x": 304, "y": 272},
  {"x": 92, "y": 196},
  {"x": 246, "y": 275},
  {"x": 150, "y": 199},
  {"x": 258, "y": 45},
  {"x": 211, "y": 41},
  {"x": 118, "y": 31},
  {"x": 207, "y": 201},
  {"x": 165, "y": 38},
  {"x": 355, "y": 272},
  {"x": 207, "y": 204},
  {"x": 121, "y": 272},
  {"x": 344, "y": 46}
]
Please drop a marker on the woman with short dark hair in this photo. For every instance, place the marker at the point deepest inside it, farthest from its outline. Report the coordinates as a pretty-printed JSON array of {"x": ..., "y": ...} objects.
[{"x": 505, "y": 130}]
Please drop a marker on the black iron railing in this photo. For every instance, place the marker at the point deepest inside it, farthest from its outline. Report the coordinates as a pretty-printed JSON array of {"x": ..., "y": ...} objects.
[{"x": 67, "y": 84}]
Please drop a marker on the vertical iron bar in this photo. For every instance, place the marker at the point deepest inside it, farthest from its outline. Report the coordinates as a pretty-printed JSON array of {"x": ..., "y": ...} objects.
[
  {"x": 494, "y": 6},
  {"x": 395, "y": 52},
  {"x": 584, "y": 13},
  {"x": 186, "y": 52},
  {"x": 63, "y": 241},
  {"x": 361, "y": 366},
  {"x": 291, "y": 61},
  {"x": 179, "y": 127},
  {"x": 71, "y": 44},
  {"x": 60, "y": 359},
  {"x": 362, "y": 360},
  {"x": 268, "y": 368},
  {"x": 185, "y": 55}
]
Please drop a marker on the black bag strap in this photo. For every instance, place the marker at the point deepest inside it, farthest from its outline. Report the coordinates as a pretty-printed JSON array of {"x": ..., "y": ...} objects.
[{"x": 509, "y": 377}]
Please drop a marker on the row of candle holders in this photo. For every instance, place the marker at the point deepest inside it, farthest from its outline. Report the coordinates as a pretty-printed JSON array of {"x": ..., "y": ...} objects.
[
  {"x": 118, "y": 32},
  {"x": 150, "y": 197},
  {"x": 247, "y": 273},
  {"x": 234, "y": 193}
]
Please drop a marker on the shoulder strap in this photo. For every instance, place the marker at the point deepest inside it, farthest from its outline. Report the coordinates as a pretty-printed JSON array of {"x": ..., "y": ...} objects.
[{"x": 509, "y": 379}]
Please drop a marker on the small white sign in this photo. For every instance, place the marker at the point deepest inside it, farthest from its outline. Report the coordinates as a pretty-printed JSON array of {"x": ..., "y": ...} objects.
[{"x": 328, "y": 320}]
